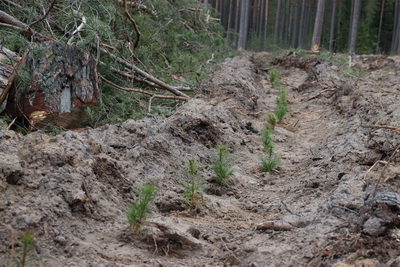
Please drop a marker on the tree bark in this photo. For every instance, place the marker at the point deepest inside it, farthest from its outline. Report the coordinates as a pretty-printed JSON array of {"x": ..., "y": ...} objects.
[
  {"x": 56, "y": 79},
  {"x": 10, "y": 63},
  {"x": 302, "y": 19},
  {"x": 332, "y": 29},
  {"x": 244, "y": 17},
  {"x": 396, "y": 30},
  {"x": 265, "y": 23},
  {"x": 319, "y": 21},
  {"x": 295, "y": 34},
  {"x": 277, "y": 21},
  {"x": 354, "y": 26},
  {"x": 377, "y": 49}
]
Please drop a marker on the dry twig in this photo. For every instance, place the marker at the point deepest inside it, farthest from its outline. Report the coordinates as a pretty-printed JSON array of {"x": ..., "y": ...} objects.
[
  {"x": 135, "y": 27},
  {"x": 45, "y": 15},
  {"x": 396, "y": 150},
  {"x": 145, "y": 74},
  {"x": 382, "y": 127}
]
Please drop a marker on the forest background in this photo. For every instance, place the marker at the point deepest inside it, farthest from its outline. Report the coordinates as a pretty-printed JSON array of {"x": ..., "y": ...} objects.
[
  {"x": 360, "y": 26},
  {"x": 179, "y": 42}
]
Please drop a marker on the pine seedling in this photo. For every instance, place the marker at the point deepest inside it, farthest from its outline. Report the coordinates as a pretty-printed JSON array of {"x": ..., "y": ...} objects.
[
  {"x": 267, "y": 140},
  {"x": 139, "y": 208},
  {"x": 282, "y": 98},
  {"x": 280, "y": 112},
  {"x": 269, "y": 163},
  {"x": 274, "y": 78},
  {"x": 192, "y": 185},
  {"x": 221, "y": 165},
  {"x": 27, "y": 240},
  {"x": 272, "y": 119}
]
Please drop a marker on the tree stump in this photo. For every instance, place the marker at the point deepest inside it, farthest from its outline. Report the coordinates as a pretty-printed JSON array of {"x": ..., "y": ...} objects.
[{"x": 54, "y": 85}]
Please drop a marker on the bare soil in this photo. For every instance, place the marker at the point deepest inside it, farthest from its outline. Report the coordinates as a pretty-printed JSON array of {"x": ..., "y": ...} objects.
[{"x": 323, "y": 205}]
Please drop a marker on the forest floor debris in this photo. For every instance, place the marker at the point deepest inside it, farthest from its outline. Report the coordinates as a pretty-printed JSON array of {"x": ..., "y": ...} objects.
[{"x": 73, "y": 189}]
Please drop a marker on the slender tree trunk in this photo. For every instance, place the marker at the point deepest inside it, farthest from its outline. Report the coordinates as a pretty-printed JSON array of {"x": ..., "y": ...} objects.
[
  {"x": 244, "y": 22},
  {"x": 296, "y": 24},
  {"x": 260, "y": 13},
  {"x": 307, "y": 22},
  {"x": 277, "y": 21},
  {"x": 319, "y": 21},
  {"x": 289, "y": 18},
  {"x": 283, "y": 25},
  {"x": 351, "y": 21},
  {"x": 237, "y": 22},
  {"x": 332, "y": 30},
  {"x": 396, "y": 29},
  {"x": 354, "y": 26},
  {"x": 339, "y": 22},
  {"x": 265, "y": 24},
  {"x": 377, "y": 49},
  {"x": 302, "y": 19}
]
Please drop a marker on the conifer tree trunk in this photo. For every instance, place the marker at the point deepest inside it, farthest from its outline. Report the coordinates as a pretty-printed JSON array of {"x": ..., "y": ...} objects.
[
  {"x": 354, "y": 26},
  {"x": 351, "y": 21},
  {"x": 296, "y": 25},
  {"x": 396, "y": 28},
  {"x": 332, "y": 30},
  {"x": 244, "y": 18},
  {"x": 237, "y": 22},
  {"x": 302, "y": 20},
  {"x": 319, "y": 21},
  {"x": 265, "y": 24},
  {"x": 377, "y": 49},
  {"x": 277, "y": 21}
]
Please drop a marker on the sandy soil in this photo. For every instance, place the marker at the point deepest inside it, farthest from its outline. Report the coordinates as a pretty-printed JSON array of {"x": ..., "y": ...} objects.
[{"x": 323, "y": 205}]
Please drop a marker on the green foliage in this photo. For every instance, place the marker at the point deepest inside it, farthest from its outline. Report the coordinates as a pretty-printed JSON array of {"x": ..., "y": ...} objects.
[
  {"x": 192, "y": 184},
  {"x": 221, "y": 165},
  {"x": 175, "y": 46},
  {"x": 139, "y": 208},
  {"x": 272, "y": 119},
  {"x": 269, "y": 163},
  {"x": 274, "y": 78},
  {"x": 282, "y": 98},
  {"x": 281, "y": 101},
  {"x": 27, "y": 240},
  {"x": 280, "y": 112},
  {"x": 21, "y": 256},
  {"x": 267, "y": 140},
  {"x": 12, "y": 40}
]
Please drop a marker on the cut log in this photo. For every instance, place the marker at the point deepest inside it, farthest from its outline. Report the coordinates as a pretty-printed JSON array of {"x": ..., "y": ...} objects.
[
  {"x": 8, "y": 63},
  {"x": 53, "y": 86}
]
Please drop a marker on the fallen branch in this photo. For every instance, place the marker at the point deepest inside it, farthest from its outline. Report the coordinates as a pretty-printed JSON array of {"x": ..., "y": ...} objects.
[
  {"x": 320, "y": 93},
  {"x": 149, "y": 83},
  {"x": 144, "y": 74},
  {"x": 381, "y": 127},
  {"x": 373, "y": 166},
  {"x": 13, "y": 4},
  {"x": 396, "y": 150},
  {"x": 142, "y": 7},
  {"x": 11, "y": 22},
  {"x": 141, "y": 91},
  {"x": 45, "y": 15},
  {"x": 78, "y": 29},
  {"x": 273, "y": 226},
  {"x": 133, "y": 24}
]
